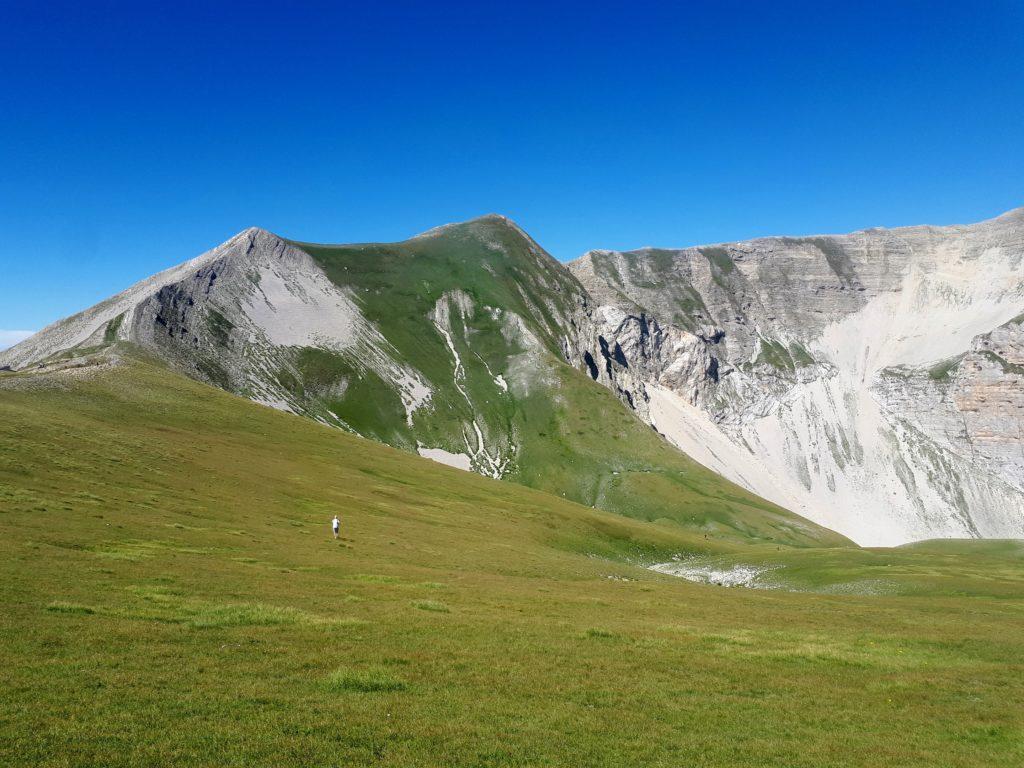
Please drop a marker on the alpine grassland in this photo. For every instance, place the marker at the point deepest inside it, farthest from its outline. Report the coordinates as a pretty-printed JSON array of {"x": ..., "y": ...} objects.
[{"x": 172, "y": 595}]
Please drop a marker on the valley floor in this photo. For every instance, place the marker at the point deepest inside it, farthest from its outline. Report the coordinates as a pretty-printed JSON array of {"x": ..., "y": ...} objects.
[{"x": 172, "y": 596}]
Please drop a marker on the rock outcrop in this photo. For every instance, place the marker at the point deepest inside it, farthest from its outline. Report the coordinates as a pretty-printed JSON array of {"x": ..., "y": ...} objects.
[{"x": 870, "y": 382}]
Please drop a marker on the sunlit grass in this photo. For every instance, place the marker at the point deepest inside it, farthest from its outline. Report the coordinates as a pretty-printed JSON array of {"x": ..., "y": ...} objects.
[
  {"x": 370, "y": 680},
  {"x": 159, "y": 607}
]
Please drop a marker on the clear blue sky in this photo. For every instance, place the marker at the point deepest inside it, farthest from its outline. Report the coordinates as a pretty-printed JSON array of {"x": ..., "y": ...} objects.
[{"x": 134, "y": 135}]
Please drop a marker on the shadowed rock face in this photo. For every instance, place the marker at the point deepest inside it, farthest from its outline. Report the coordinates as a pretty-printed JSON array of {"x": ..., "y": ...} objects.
[{"x": 868, "y": 381}]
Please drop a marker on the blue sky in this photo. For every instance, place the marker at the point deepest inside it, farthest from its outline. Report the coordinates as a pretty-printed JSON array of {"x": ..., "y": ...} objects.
[{"x": 136, "y": 135}]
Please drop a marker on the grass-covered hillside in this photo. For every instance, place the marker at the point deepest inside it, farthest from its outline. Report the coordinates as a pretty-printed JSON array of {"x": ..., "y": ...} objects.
[
  {"x": 492, "y": 354},
  {"x": 172, "y": 596},
  {"x": 477, "y": 309}
]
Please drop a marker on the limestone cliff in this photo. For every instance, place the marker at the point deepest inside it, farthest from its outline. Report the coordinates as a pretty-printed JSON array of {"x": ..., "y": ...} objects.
[{"x": 869, "y": 381}]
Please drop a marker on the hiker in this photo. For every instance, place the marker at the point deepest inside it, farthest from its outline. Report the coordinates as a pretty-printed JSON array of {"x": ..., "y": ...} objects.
[{"x": 335, "y": 524}]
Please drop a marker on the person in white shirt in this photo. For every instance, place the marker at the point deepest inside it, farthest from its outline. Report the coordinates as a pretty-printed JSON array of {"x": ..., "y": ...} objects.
[{"x": 336, "y": 524}]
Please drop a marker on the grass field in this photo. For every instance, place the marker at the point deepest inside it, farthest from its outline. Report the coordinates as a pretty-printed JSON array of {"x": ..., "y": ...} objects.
[{"x": 172, "y": 595}]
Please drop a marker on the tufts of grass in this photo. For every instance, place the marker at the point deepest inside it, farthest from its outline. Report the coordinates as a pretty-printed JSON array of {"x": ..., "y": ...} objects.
[
  {"x": 162, "y": 604},
  {"x": 375, "y": 578},
  {"x": 134, "y": 551},
  {"x": 1006, "y": 365},
  {"x": 720, "y": 259},
  {"x": 110, "y": 334},
  {"x": 776, "y": 355},
  {"x": 156, "y": 594},
  {"x": 599, "y": 633},
  {"x": 945, "y": 369},
  {"x": 432, "y": 605},
  {"x": 75, "y": 608},
  {"x": 259, "y": 615},
  {"x": 370, "y": 680},
  {"x": 249, "y": 615}
]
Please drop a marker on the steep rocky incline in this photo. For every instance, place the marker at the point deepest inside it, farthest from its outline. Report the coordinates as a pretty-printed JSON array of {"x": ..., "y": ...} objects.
[
  {"x": 233, "y": 317},
  {"x": 972, "y": 404},
  {"x": 868, "y": 381}
]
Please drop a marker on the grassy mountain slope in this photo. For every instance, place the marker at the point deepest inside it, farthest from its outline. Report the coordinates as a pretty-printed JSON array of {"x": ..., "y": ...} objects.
[
  {"x": 500, "y": 298},
  {"x": 172, "y": 596},
  {"x": 567, "y": 434}
]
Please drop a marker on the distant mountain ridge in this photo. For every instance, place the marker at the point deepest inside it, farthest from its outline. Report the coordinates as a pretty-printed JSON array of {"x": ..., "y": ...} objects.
[{"x": 870, "y": 382}]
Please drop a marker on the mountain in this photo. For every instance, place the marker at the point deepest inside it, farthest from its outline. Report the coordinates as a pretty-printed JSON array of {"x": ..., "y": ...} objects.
[
  {"x": 467, "y": 344},
  {"x": 871, "y": 382}
]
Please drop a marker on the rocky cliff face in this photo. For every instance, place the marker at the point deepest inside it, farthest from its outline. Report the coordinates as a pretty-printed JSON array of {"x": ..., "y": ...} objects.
[
  {"x": 971, "y": 405},
  {"x": 868, "y": 381}
]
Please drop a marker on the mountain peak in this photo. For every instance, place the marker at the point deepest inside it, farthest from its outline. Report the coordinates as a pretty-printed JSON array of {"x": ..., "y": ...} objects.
[
  {"x": 494, "y": 218},
  {"x": 427, "y": 343},
  {"x": 255, "y": 232},
  {"x": 488, "y": 219}
]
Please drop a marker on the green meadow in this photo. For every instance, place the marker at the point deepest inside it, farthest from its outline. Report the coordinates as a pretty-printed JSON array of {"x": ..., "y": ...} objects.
[{"x": 172, "y": 595}]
